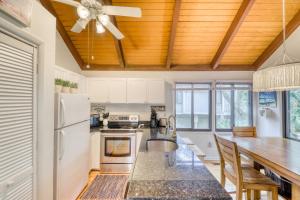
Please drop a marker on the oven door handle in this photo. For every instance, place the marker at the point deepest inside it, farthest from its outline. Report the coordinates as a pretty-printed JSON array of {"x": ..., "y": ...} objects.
[{"x": 118, "y": 135}]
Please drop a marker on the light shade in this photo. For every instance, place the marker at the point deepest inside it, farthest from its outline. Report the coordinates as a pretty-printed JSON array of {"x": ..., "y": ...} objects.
[
  {"x": 83, "y": 12},
  {"x": 99, "y": 27},
  {"x": 104, "y": 19},
  {"x": 278, "y": 78}
]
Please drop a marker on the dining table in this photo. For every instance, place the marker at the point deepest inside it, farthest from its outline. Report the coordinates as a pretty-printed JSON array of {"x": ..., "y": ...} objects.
[{"x": 280, "y": 155}]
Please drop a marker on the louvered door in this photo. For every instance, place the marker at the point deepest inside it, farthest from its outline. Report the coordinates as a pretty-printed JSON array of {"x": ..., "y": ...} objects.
[{"x": 17, "y": 119}]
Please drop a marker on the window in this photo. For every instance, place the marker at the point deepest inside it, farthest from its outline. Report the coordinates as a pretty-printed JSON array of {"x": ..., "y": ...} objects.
[
  {"x": 233, "y": 105},
  {"x": 293, "y": 114},
  {"x": 193, "y": 106}
]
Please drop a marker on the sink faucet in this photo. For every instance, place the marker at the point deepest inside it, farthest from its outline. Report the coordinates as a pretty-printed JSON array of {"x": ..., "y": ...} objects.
[{"x": 172, "y": 126}]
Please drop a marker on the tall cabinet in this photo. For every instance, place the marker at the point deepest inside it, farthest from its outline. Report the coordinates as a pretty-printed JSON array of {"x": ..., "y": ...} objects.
[{"x": 18, "y": 119}]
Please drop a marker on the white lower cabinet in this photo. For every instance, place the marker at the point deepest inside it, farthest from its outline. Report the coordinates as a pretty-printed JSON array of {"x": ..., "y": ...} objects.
[{"x": 95, "y": 151}]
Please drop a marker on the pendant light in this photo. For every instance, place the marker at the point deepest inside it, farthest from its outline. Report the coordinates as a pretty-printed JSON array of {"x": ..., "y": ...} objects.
[
  {"x": 280, "y": 76},
  {"x": 88, "y": 44}
]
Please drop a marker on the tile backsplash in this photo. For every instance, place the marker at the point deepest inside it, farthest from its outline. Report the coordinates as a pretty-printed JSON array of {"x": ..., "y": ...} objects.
[{"x": 143, "y": 110}]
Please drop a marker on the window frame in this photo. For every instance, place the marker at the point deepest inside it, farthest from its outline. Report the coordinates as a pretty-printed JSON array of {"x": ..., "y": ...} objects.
[
  {"x": 192, "y": 105},
  {"x": 285, "y": 118},
  {"x": 232, "y": 102}
]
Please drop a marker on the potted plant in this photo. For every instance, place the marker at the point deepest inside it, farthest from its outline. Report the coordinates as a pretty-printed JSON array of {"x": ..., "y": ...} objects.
[
  {"x": 105, "y": 119},
  {"x": 66, "y": 87},
  {"x": 58, "y": 85},
  {"x": 74, "y": 88}
]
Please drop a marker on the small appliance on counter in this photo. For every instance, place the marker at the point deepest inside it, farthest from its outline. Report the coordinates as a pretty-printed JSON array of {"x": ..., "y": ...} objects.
[
  {"x": 163, "y": 122},
  {"x": 94, "y": 120},
  {"x": 153, "y": 119}
]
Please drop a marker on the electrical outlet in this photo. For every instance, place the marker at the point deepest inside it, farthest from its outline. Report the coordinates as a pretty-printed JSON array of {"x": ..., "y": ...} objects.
[{"x": 209, "y": 144}]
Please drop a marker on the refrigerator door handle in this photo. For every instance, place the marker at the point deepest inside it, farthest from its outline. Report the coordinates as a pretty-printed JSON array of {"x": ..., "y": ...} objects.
[
  {"x": 61, "y": 144},
  {"x": 63, "y": 111}
]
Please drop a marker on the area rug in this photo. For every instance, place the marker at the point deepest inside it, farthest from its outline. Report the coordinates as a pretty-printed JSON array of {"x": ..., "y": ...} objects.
[{"x": 106, "y": 187}]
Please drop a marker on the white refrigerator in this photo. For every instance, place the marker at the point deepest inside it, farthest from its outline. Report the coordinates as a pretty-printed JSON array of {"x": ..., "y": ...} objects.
[{"x": 72, "y": 145}]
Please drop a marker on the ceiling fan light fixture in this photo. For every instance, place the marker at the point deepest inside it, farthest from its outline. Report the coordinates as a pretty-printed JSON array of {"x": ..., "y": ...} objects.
[
  {"x": 99, "y": 27},
  {"x": 83, "y": 12},
  {"x": 104, "y": 19}
]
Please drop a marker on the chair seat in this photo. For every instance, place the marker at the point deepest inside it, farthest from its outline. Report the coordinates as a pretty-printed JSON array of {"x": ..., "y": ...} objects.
[{"x": 252, "y": 176}]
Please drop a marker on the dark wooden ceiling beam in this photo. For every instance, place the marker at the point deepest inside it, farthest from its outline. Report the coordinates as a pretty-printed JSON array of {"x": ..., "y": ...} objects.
[
  {"x": 275, "y": 44},
  {"x": 232, "y": 31},
  {"x": 118, "y": 44},
  {"x": 62, "y": 31},
  {"x": 172, "y": 36},
  {"x": 199, "y": 67}
]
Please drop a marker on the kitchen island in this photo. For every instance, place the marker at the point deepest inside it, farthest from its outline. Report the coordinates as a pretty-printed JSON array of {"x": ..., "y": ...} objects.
[{"x": 175, "y": 175}]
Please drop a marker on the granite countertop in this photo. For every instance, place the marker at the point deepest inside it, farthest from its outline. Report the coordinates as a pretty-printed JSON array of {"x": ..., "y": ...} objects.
[{"x": 154, "y": 176}]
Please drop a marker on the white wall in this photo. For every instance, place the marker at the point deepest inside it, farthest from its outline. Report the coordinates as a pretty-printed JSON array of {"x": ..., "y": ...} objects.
[
  {"x": 292, "y": 47},
  {"x": 63, "y": 56},
  {"x": 44, "y": 27},
  {"x": 270, "y": 123},
  {"x": 175, "y": 75},
  {"x": 42, "y": 32}
]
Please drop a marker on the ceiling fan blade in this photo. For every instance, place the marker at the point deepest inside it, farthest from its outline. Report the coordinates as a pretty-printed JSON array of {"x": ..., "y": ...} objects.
[
  {"x": 69, "y": 2},
  {"x": 122, "y": 11},
  {"x": 80, "y": 25},
  {"x": 114, "y": 30}
]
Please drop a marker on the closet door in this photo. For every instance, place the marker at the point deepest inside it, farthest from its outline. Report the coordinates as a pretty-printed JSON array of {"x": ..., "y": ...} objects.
[{"x": 17, "y": 119}]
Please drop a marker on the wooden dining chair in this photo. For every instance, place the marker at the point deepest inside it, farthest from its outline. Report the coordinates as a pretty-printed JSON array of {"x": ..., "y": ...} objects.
[
  {"x": 244, "y": 131},
  {"x": 244, "y": 178}
]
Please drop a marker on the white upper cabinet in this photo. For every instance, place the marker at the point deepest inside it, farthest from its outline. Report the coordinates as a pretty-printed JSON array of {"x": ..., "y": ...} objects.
[
  {"x": 122, "y": 90},
  {"x": 155, "y": 91},
  {"x": 117, "y": 90},
  {"x": 97, "y": 90},
  {"x": 136, "y": 91}
]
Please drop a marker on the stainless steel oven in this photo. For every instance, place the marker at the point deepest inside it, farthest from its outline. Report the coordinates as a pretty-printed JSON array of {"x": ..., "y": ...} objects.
[{"x": 118, "y": 150}]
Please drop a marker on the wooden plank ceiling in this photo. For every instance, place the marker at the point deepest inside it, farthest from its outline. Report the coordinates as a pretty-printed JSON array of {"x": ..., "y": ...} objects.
[{"x": 182, "y": 34}]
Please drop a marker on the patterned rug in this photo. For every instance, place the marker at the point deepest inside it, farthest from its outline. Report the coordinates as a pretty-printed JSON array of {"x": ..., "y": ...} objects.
[{"x": 106, "y": 187}]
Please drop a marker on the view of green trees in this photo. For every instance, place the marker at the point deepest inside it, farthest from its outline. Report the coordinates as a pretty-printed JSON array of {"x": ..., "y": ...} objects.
[{"x": 294, "y": 113}]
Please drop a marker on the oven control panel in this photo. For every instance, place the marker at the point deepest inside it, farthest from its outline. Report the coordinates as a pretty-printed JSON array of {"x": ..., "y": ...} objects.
[{"x": 123, "y": 118}]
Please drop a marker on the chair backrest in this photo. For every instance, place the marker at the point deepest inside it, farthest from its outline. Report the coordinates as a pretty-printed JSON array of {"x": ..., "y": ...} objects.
[
  {"x": 244, "y": 131},
  {"x": 229, "y": 155}
]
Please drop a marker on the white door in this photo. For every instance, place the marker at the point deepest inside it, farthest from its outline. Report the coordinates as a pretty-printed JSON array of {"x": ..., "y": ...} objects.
[
  {"x": 156, "y": 91},
  {"x": 97, "y": 90},
  {"x": 71, "y": 109},
  {"x": 136, "y": 91},
  {"x": 72, "y": 160},
  {"x": 17, "y": 119},
  {"x": 117, "y": 90}
]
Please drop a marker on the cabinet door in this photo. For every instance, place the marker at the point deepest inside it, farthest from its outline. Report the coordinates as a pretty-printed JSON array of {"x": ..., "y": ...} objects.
[
  {"x": 95, "y": 151},
  {"x": 136, "y": 91},
  {"x": 156, "y": 91},
  {"x": 117, "y": 91},
  {"x": 97, "y": 90}
]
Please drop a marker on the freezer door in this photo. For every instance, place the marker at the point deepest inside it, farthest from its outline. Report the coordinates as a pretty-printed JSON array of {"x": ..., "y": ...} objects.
[
  {"x": 71, "y": 109},
  {"x": 71, "y": 161}
]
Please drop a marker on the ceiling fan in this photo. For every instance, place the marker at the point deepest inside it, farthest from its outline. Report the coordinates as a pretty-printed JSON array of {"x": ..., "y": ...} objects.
[{"x": 93, "y": 9}]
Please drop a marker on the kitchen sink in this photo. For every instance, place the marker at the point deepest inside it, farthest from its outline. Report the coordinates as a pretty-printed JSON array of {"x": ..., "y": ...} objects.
[{"x": 161, "y": 145}]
